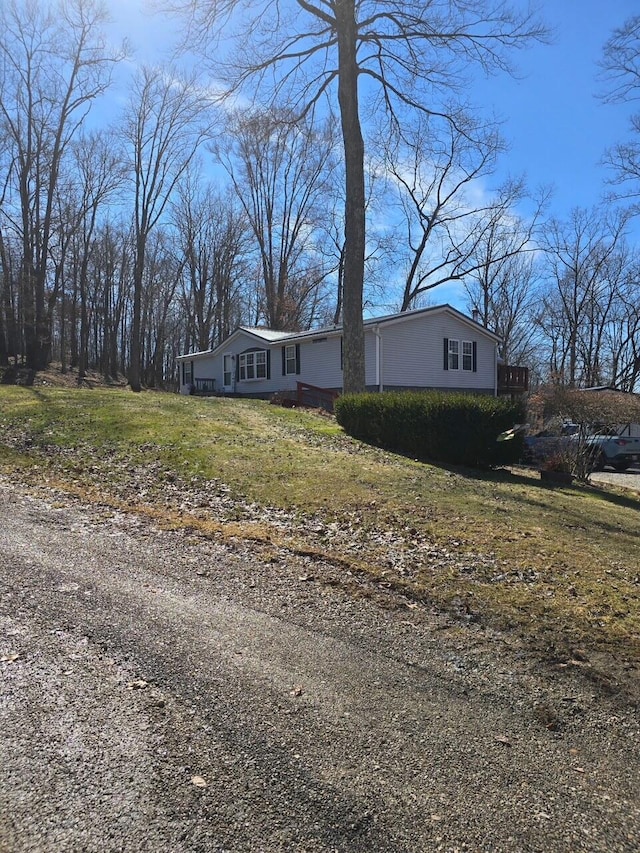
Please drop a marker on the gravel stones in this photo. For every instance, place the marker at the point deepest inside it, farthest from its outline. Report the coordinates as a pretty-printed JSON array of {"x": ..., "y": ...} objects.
[{"x": 315, "y": 713}]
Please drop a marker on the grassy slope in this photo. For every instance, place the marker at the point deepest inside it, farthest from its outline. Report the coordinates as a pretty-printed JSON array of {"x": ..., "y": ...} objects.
[{"x": 559, "y": 566}]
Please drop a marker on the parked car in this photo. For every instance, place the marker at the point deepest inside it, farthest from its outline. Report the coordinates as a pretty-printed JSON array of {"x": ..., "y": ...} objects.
[
  {"x": 618, "y": 451},
  {"x": 547, "y": 443},
  {"x": 605, "y": 447}
]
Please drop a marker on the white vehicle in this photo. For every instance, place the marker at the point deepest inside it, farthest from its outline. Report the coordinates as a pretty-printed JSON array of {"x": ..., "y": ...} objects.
[
  {"x": 618, "y": 451},
  {"x": 605, "y": 448}
]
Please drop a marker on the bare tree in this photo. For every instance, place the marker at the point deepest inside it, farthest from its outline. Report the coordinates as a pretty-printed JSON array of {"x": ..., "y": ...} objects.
[
  {"x": 112, "y": 271},
  {"x": 505, "y": 295},
  {"x": 586, "y": 260},
  {"x": 100, "y": 170},
  {"x": 620, "y": 67},
  {"x": 54, "y": 62},
  {"x": 412, "y": 56},
  {"x": 212, "y": 234},
  {"x": 8, "y": 301},
  {"x": 167, "y": 121},
  {"x": 432, "y": 168},
  {"x": 162, "y": 273},
  {"x": 281, "y": 172},
  {"x": 623, "y": 334},
  {"x": 502, "y": 274},
  {"x": 381, "y": 245}
]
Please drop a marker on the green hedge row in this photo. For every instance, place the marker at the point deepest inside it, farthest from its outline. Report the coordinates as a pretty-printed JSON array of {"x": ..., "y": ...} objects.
[{"x": 457, "y": 429}]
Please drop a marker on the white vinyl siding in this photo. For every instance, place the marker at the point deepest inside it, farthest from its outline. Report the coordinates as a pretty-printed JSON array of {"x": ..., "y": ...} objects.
[
  {"x": 320, "y": 362},
  {"x": 412, "y": 354},
  {"x": 410, "y": 350}
]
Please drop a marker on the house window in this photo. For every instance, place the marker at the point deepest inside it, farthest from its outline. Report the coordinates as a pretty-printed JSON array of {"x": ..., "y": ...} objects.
[
  {"x": 247, "y": 367},
  {"x": 290, "y": 361},
  {"x": 454, "y": 355},
  {"x": 252, "y": 365},
  {"x": 188, "y": 374},
  {"x": 467, "y": 355}
]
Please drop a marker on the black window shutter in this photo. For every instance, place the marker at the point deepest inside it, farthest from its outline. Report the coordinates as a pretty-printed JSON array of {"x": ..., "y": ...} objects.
[
  {"x": 268, "y": 364},
  {"x": 284, "y": 361},
  {"x": 446, "y": 354},
  {"x": 297, "y": 359},
  {"x": 237, "y": 368},
  {"x": 475, "y": 357},
  {"x": 341, "y": 365}
]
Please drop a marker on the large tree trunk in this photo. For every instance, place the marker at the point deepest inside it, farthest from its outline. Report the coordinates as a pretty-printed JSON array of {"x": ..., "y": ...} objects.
[
  {"x": 7, "y": 318},
  {"x": 135, "y": 379},
  {"x": 354, "y": 229},
  {"x": 29, "y": 319}
]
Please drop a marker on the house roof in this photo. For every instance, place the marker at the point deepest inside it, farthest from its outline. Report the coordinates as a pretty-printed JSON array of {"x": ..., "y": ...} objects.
[
  {"x": 263, "y": 332},
  {"x": 434, "y": 309},
  {"x": 263, "y": 335},
  {"x": 273, "y": 336}
]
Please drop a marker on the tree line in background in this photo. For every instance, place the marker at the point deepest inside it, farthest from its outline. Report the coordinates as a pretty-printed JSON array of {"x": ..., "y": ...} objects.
[{"x": 127, "y": 239}]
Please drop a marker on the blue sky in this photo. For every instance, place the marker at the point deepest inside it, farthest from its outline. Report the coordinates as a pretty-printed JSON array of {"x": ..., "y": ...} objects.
[{"x": 556, "y": 128}]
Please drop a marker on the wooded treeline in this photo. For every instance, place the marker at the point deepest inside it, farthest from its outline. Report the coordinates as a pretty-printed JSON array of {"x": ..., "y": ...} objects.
[{"x": 128, "y": 238}]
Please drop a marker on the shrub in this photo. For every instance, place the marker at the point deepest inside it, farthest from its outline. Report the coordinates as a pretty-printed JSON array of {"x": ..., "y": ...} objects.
[
  {"x": 459, "y": 429},
  {"x": 597, "y": 409}
]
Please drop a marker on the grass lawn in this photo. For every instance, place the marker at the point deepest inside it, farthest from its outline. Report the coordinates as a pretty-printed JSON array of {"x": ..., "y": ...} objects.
[{"x": 559, "y": 567}]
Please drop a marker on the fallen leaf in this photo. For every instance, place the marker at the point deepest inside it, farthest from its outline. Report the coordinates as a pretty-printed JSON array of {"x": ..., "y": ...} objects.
[
  {"x": 139, "y": 684},
  {"x": 10, "y": 658},
  {"x": 198, "y": 781},
  {"x": 297, "y": 691},
  {"x": 579, "y": 769},
  {"x": 304, "y": 578},
  {"x": 502, "y": 739}
]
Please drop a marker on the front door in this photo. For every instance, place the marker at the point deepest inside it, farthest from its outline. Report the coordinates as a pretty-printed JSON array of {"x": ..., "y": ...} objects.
[{"x": 227, "y": 371}]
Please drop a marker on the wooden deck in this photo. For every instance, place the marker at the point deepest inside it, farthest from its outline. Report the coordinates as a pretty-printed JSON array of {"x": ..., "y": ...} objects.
[
  {"x": 204, "y": 387},
  {"x": 314, "y": 397},
  {"x": 512, "y": 380}
]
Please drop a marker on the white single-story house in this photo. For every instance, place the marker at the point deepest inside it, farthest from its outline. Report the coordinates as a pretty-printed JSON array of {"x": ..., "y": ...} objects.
[{"x": 428, "y": 348}]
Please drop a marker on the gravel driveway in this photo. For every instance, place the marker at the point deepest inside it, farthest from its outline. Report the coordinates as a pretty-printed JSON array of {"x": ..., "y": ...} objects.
[
  {"x": 162, "y": 692},
  {"x": 629, "y": 480}
]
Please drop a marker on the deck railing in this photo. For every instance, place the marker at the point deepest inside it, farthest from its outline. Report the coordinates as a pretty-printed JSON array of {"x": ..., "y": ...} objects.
[
  {"x": 311, "y": 395},
  {"x": 512, "y": 380},
  {"x": 204, "y": 386}
]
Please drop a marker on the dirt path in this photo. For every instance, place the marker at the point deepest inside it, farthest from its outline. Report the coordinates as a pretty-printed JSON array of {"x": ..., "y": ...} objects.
[{"x": 165, "y": 693}]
